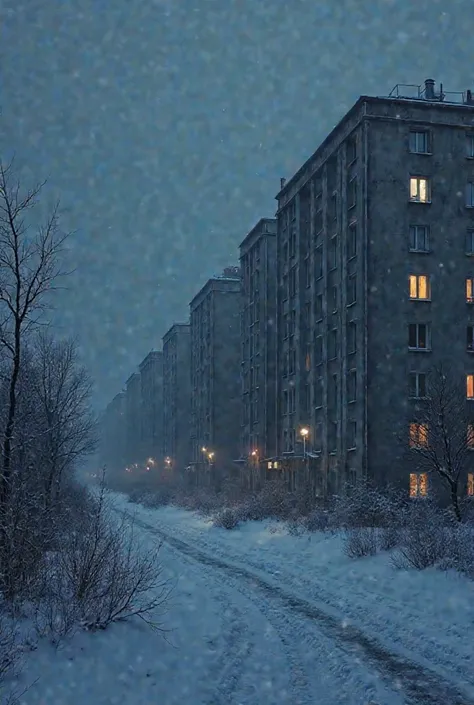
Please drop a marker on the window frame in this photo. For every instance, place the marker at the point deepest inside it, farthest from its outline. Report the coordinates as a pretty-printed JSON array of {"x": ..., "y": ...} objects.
[
  {"x": 417, "y": 385},
  {"x": 415, "y": 132},
  {"x": 427, "y": 337},
  {"x": 415, "y": 227},
  {"x": 419, "y": 178},
  {"x": 470, "y": 387},
  {"x": 469, "y": 285},
  {"x": 469, "y": 145},
  {"x": 419, "y": 494},
  {"x": 470, "y": 193},
  {"x": 428, "y": 287}
]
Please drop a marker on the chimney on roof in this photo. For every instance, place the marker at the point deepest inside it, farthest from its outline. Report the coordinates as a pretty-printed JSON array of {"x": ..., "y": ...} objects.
[
  {"x": 282, "y": 182},
  {"x": 469, "y": 99},
  {"x": 429, "y": 89}
]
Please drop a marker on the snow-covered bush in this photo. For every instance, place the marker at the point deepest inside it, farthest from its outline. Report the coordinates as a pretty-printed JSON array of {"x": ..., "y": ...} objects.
[
  {"x": 425, "y": 535},
  {"x": 272, "y": 502},
  {"x": 101, "y": 574},
  {"x": 318, "y": 520},
  {"x": 363, "y": 505},
  {"x": 360, "y": 542},
  {"x": 226, "y": 519}
]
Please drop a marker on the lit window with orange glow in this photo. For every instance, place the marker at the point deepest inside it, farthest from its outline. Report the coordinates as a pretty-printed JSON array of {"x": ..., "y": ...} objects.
[
  {"x": 419, "y": 189},
  {"x": 470, "y": 386},
  {"x": 419, "y": 287},
  {"x": 418, "y": 484},
  {"x": 470, "y": 436},
  {"x": 418, "y": 435},
  {"x": 470, "y": 484},
  {"x": 470, "y": 290}
]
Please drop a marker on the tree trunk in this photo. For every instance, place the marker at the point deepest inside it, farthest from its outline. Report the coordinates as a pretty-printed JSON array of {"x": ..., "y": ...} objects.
[
  {"x": 455, "y": 501},
  {"x": 8, "y": 435}
]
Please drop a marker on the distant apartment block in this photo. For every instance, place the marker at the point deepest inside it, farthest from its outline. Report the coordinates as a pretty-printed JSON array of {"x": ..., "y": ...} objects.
[
  {"x": 258, "y": 346},
  {"x": 177, "y": 396},
  {"x": 151, "y": 392},
  {"x": 133, "y": 420},
  {"x": 113, "y": 439},
  {"x": 215, "y": 376},
  {"x": 375, "y": 264}
]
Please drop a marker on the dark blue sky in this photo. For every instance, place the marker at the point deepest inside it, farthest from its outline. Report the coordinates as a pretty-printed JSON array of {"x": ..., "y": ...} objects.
[{"x": 165, "y": 125}]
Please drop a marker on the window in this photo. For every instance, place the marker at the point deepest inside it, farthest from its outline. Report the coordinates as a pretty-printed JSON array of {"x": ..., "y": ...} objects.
[
  {"x": 332, "y": 436},
  {"x": 419, "y": 238},
  {"x": 470, "y": 145},
  {"x": 333, "y": 390},
  {"x": 469, "y": 246},
  {"x": 333, "y": 299},
  {"x": 285, "y": 402},
  {"x": 284, "y": 287},
  {"x": 292, "y": 400},
  {"x": 307, "y": 272},
  {"x": 419, "y": 142},
  {"x": 291, "y": 323},
  {"x": 333, "y": 207},
  {"x": 419, "y": 287},
  {"x": 318, "y": 307},
  {"x": 419, "y": 336},
  {"x": 470, "y": 194},
  {"x": 318, "y": 350},
  {"x": 332, "y": 255},
  {"x": 332, "y": 344},
  {"x": 351, "y": 290},
  {"x": 470, "y": 436},
  {"x": 417, "y": 385},
  {"x": 470, "y": 387},
  {"x": 470, "y": 290},
  {"x": 351, "y": 337},
  {"x": 318, "y": 392},
  {"x": 292, "y": 243},
  {"x": 351, "y": 150},
  {"x": 470, "y": 484},
  {"x": 292, "y": 361},
  {"x": 418, "y": 435},
  {"x": 292, "y": 210},
  {"x": 470, "y": 338},
  {"x": 352, "y": 240},
  {"x": 351, "y": 385},
  {"x": 318, "y": 262},
  {"x": 419, "y": 189},
  {"x": 418, "y": 484},
  {"x": 292, "y": 281},
  {"x": 351, "y": 435},
  {"x": 352, "y": 193}
]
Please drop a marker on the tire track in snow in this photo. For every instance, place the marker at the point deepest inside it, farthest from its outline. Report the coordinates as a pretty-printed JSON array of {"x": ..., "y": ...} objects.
[{"x": 422, "y": 686}]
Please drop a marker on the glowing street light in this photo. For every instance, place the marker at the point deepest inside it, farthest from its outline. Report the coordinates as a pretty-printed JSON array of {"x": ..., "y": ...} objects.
[
  {"x": 304, "y": 433},
  {"x": 168, "y": 462},
  {"x": 210, "y": 456}
]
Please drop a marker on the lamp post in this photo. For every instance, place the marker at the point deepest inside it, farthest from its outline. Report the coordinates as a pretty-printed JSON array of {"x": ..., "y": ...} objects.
[{"x": 254, "y": 456}]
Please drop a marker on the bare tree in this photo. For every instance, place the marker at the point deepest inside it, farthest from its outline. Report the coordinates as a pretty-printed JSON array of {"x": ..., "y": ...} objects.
[
  {"x": 442, "y": 433},
  {"x": 62, "y": 390},
  {"x": 29, "y": 269}
]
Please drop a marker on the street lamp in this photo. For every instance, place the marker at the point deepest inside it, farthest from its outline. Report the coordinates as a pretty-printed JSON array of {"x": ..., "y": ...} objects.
[
  {"x": 304, "y": 433},
  {"x": 168, "y": 462}
]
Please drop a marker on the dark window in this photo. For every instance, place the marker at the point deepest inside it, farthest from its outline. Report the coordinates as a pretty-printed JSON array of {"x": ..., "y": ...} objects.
[
  {"x": 351, "y": 435},
  {"x": 292, "y": 361},
  {"x": 292, "y": 281},
  {"x": 318, "y": 350},
  {"x": 292, "y": 210},
  {"x": 470, "y": 338},
  {"x": 332, "y": 436},
  {"x": 307, "y": 271},
  {"x": 470, "y": 194},
  {"x": 419, "y": 238},
  {"x": 469, "y": 246},
  {"x": 418, "y": 336},
  {"x": 470, "y": 145},
  {"x": 318, "y": 262},
  {"x": 420, "y": 141},
  {"x": 318, "y": 392},
  {"x": 351, "y": 290},
  {"x": 332, "y": 254},
  {"x": 351, "y": 337},
  {"x": 292, "y": 242},
  {"x": 417, "y": 385},
  {"x": 333, "y": 389},
  {"x": 333, "y": 299},
  {"x": 351, "y": 385},
  {"x": 318, "y": 307},
  {"x": 333, "y": 207},
  {"x": 292, "y": 323},
  {"x": 332, "y": 344},
  {"x": 351, "y": 150},
  {"x": 352, "y": 193},
  {"x": 352, "y": 240}
]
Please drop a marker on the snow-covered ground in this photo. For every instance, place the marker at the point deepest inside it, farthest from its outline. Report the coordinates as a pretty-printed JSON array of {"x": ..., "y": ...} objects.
[{"x": 259, "y": 617}]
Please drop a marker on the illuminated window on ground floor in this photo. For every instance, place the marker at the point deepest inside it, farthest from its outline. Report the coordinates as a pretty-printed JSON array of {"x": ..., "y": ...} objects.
[{"x": 418, "y": 484}]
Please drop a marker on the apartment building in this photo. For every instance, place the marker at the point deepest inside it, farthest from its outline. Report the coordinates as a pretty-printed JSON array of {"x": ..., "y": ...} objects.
[
  {"x": 375, "y": 268},
  {"x": 151, "y": 395},
  {"x": 112, "y": 437},
  {"x": 215, "y": 377},
  {"x": 258, "y": 353},
  {"x": 177, "y": 396},
  {"x": 133, "y": 419}
]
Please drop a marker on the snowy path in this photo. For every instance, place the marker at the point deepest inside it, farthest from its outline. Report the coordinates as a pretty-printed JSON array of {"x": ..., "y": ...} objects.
[{"x": 331, "y": 661}]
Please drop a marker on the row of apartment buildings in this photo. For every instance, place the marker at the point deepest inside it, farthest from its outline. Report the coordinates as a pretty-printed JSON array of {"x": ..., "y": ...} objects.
[{"x": 308, "y": 357}]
